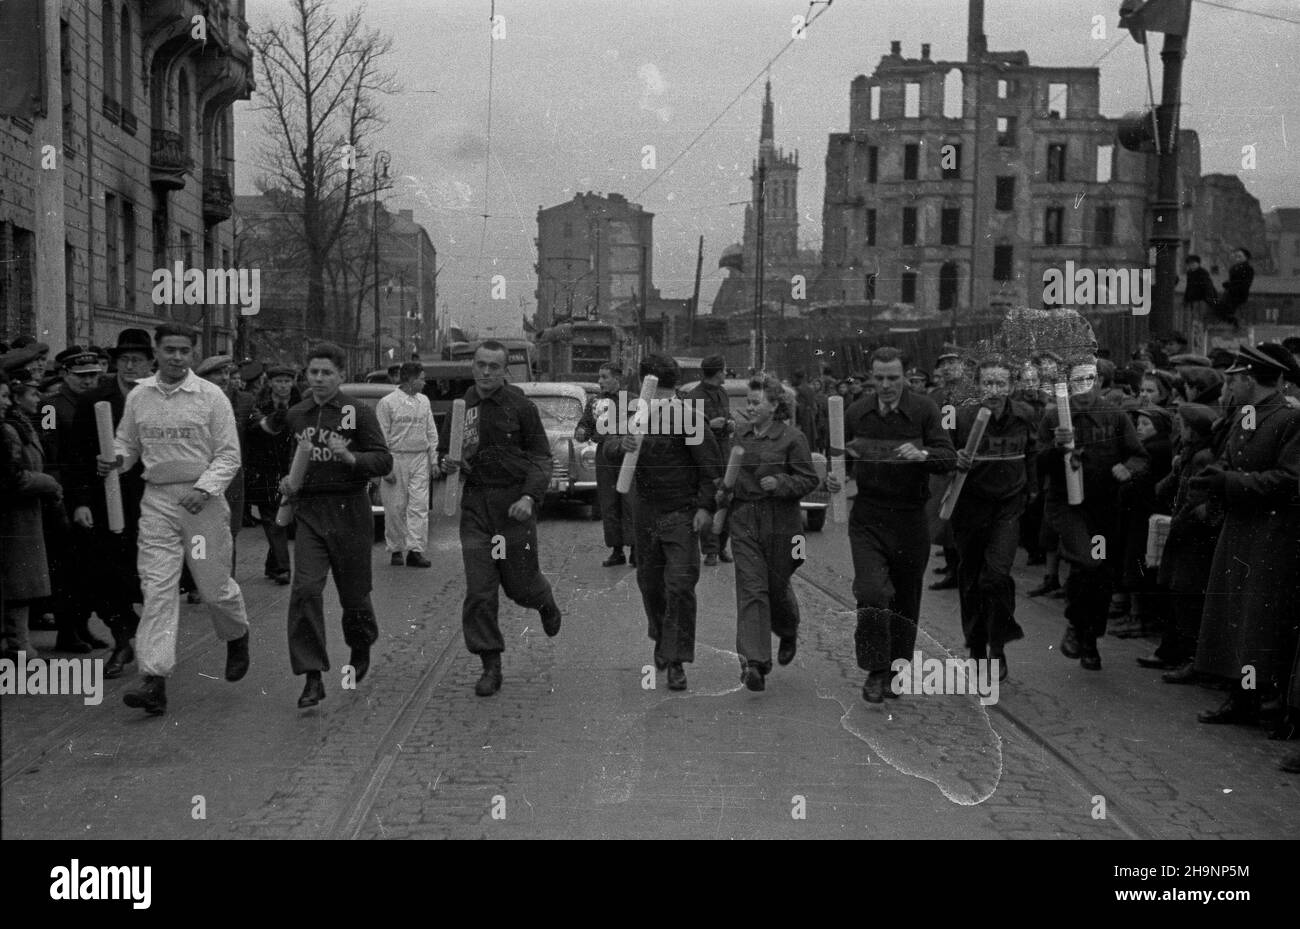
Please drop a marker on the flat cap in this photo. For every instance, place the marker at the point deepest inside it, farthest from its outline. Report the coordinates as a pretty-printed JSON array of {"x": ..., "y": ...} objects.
[{"x": 213, "y": 363}]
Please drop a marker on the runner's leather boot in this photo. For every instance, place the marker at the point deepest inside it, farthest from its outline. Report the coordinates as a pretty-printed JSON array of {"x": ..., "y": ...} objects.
[
  {"x": 150, "y": 696},
  {"x": 490, "y": 682}
]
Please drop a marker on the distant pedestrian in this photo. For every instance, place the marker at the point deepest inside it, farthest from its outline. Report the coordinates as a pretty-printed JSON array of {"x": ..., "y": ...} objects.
[
  {"x": 412, "y": 436},
  {"x": 717, "y": 409},
  {"x": 1198, "y": 294},
  {"x": 1236, "y": 289},
  {"x": 269, "y": 456},
  {"x": 616, "y": 511}
]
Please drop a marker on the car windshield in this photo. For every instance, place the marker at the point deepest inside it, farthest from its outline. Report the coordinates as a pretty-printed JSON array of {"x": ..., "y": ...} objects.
[{"x": 558, "y": 412}]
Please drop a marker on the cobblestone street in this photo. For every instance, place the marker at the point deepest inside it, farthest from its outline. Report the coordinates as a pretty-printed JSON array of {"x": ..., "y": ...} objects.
[{"x": 577, "y": 745}]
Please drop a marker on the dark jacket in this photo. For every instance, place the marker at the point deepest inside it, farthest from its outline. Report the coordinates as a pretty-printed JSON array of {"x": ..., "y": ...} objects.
[
  {"x": 24, "y": 487},
  {"x": 781, "y": 453},
  {"x": 57, "y": 443},
  {"x": 1237, "y": 287},
  {"x": 716, "y": 403},
  {"x": 267, "y": 456},
  {"x": 670, "y": 474},
  {"x": 1006, "y": 460},
  {"x": 1200, "y": 287},
  {"x": 84, "y": 483},
  {"x": 882, "y": 477},
  {"x": 1251, "y": 607},
  {"x": 1104, "y": 436},
  {"x": 347, "y": 417},
  {"x": 505, "y": 444}
]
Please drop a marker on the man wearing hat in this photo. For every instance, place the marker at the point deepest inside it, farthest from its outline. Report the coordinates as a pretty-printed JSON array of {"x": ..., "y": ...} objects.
[
  {"x": 25, "y": 360},
  {"x": 717, "y": 410},
  {"x": 917, "y": 379},
  {"x": 1252, "y": 601},
  {"x": 111, "y": 577},
  {"x": 80, "y": 374}
]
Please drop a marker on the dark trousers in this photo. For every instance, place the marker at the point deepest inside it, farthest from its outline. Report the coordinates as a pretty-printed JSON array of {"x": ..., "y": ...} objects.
[
  {"x": 68, "y": 601},
  {"x": 484, "y": 514},
  {"x": 667, "y": 567},
  {"x": 1182, "y": 627},
  {"x": 1086, "y": 531},
  {"x": 988, "y": 533},
  {"x": 890, "y": 549},
  {"x": 277, "y": 541},
  {"x": 108, "y": 572},
  {"x": 615, "y": 508},
  {"x": 334, "y": 533},
  {"x": 712, "y": 543},
  {"x": 1031, "y": 526},
  {"x": 761, "y": 540}
]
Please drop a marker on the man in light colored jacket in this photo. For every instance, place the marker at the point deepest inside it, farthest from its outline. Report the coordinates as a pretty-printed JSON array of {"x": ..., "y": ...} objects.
[
  {"x": 183, "y": 429},
  {"x": 412, "y": 436}
]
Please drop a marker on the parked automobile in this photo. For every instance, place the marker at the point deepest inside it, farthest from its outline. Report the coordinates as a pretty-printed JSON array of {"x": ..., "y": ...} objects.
[
  {"x": 574, "y": 472},
  {"x": 815, "y": 503}
]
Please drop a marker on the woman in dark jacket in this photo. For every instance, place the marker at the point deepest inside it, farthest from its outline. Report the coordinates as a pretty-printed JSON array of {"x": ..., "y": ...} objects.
[
  {"x": 24, "y": 486},
  {"x": 268, "y": 459},
  {"x": 1189, "y": 548}
]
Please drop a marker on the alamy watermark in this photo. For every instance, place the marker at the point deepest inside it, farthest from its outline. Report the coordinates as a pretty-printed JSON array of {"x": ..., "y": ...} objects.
[
  {"x": 103, "y": 882},
  {"x": 39, "y": 676},
  {"x": 666, "y": 416},
  {"x": 216, "y": 287},
  {"x": 931, "y": 676},
  {"x": 1129, "y": 287}
]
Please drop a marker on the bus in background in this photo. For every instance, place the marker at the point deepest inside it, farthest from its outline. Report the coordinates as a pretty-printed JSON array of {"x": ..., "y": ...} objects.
[
  {"x": 574, "y": 351},
  {"x": 521, "y": 357}
]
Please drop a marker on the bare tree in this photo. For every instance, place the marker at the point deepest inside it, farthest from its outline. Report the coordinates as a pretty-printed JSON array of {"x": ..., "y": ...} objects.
[{"x": 320, "y": 79}]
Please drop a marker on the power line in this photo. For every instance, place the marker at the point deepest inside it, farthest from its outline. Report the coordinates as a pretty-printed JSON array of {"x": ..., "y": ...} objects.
[
  {"x": 1234, "y": 9},
  {"x": 487, "y": 155},
  {"x": 734, "y": 100}
]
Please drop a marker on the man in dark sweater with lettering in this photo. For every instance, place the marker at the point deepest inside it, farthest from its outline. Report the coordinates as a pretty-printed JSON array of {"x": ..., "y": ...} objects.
[
  {"x": 331, "y": 511},
  {"x": 898, "y": 441}
]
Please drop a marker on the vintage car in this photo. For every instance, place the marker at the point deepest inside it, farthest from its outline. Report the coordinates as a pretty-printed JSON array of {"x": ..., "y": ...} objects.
[
  {"x": 561, "y": 405},
  {"x": 815, "y": 503}
]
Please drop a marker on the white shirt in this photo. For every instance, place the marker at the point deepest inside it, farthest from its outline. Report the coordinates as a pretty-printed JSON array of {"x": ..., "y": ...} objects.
[
  {"x": 407, "y": 422},
  {"x": 185, "y": 434}
]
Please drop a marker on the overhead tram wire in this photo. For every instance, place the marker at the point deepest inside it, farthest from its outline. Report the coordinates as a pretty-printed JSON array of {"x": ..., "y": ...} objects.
[
  {"x": 734, "y": 100},
  {"x": 487, "y": 155},
  {"x": 1238, "y": 9}
]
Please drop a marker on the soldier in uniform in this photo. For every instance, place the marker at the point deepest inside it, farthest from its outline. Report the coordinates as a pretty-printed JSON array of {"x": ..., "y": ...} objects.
[
  {"x": 615, "y": 508},
  {"x": 898, "y": 441},
  {"x": 986, "y": 521},
  {"x": 113, "y": 577},
  {"x": 765, "y": 518},
  {"x": 80, "y": 371},
  {"x": 333, "y": 525},
  {"x": 507, "y": 463},
  {"x": 676, "y": 480},
  {"x": 1108, "y": 452},
  {"x": 1251, "y": 601}
]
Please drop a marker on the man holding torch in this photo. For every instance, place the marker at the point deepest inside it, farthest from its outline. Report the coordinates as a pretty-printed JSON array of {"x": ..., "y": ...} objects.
[
  {"x": 1100, "y": 445},
  {"x": 507, "y": 463},
  {"x": 899, "y": 441},
  {"x": 986, "y": 509},
  {"x": 676, "y": 478}
]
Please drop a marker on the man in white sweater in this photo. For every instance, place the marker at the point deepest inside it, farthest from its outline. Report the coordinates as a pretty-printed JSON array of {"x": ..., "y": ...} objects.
[
  {"x": 412, "y": 436},
  {"x": 183, "y": 429}
]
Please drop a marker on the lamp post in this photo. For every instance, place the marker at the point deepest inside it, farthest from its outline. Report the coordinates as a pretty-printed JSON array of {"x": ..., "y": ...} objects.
[{"x": 379, "y": 163}]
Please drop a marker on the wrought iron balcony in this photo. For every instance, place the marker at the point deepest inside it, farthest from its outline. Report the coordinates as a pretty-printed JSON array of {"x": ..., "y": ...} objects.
[
  {"x": 168, "y": 163},
  {"x": 217, "y": 196}
]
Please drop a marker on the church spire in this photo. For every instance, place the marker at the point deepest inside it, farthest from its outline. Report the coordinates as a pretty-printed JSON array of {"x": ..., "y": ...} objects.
[{"x": 766, "y": 135}]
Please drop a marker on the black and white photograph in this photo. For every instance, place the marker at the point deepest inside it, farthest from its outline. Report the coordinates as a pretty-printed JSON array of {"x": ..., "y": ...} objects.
[{"x": 651, "y": 420}]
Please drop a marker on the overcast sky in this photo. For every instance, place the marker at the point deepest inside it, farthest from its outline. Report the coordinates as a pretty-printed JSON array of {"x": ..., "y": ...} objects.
[{"x": 581, "y": 86}]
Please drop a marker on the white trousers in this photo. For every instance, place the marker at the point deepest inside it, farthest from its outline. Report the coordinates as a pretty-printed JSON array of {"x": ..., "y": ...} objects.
[
  {"x": 170, "y": 536},
  {"x": 406, "y": 503}
]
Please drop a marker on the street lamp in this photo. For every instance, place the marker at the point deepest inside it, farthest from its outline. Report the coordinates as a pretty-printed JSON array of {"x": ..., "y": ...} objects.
[{"x": 378, "y": 170}]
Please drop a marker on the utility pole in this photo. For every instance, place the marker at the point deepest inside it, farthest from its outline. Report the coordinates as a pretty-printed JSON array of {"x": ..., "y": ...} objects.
[
  {"x": 1172, "y": 18},
  {"x": 695, "y": 298},
  {"x": 759, "y": 223}
]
